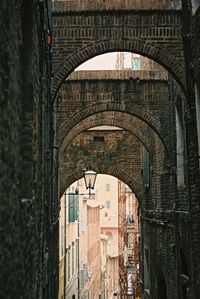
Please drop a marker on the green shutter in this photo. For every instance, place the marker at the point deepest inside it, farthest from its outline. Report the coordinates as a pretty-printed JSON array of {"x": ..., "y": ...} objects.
[
  {"x": 76, "y": 198},
  {"x": 146, "y": 168},
  {"x": 72, "y": 207}
]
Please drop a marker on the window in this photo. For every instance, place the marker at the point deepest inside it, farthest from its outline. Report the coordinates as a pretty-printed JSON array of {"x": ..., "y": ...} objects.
[
  {"x": 146, "y": 269},
  {"x": 68, "y": 265},
  {"x": 135, "y": 64},
  {"x": 62, "y": 245},
  {"x": 99, "y": 143},
  {"x": 180, "y": 143},
  {"x": 82, "y": 282},
  {"x": 107, "y": 187},
  {"x": 72, "y": 207},
  {"x": 108, "y": 204},
  {"x": 77, "y": 253},
  {"x": 98, "y": 139}
]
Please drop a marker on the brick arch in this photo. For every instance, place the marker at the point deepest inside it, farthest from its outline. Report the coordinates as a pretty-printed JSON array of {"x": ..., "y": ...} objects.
[
  {"x": 110, "y": 118},
  {"x": 138, "y": 45},
  {"x": 133, "y": 110},
  {"x": 122, "y": 174}
]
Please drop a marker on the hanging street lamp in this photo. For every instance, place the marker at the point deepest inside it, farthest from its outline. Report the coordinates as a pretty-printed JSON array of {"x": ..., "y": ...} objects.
[{"x": 89, "y": 178}]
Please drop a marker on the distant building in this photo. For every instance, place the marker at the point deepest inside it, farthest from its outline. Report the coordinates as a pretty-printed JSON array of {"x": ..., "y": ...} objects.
[
  {"x": 90, "y": 241},
  {"x": 68, "y": 245},
  {"x": 107, "y": 196}
]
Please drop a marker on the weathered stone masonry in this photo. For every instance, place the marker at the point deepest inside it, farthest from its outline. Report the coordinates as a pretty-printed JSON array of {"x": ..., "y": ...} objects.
[{"x": 24, "y": 96}]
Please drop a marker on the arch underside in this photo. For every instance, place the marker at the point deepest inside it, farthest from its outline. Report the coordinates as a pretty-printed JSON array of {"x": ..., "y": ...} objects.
[
  {"x": 127, "y": 114},
  {"x": 110, "y": 118},
  {"x": 118, "y": 172},
  {"x": 73, "y": 173}
]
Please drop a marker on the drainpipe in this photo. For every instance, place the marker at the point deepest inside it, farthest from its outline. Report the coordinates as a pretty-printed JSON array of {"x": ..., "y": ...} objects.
[
  {"x": 78, "y": 268},
  {"x": 65, "y": 243}
]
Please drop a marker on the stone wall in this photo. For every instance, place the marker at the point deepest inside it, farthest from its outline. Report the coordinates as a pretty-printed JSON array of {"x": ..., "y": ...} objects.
[{"x": 24, "y": 93}]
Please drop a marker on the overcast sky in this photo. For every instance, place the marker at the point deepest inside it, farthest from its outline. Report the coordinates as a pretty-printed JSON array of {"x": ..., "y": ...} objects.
[{"x": 101, "y": 62}]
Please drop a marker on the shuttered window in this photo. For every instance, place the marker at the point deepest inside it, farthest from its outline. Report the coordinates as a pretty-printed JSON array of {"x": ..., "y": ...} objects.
[
  {"x": 108, "y": 204},
  {"x": 72, "y": 207},
  {"x": 82, "y": 283}
]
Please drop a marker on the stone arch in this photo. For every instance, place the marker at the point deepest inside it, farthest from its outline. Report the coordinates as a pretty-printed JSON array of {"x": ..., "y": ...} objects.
[
  {"x": 121, "y": 174},
  {"x": 134, "y": 110},
  {"x": 138, "y": 45},
  {"x": 110, "y": 118}
]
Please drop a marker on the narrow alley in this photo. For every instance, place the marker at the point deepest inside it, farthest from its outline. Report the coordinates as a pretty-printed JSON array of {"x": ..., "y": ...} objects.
[{"x": 99, "y": 149}]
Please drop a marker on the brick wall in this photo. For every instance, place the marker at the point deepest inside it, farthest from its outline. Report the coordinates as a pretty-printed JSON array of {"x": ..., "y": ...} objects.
[
  {"x": 109, "y": 152},
  {"x": 196, "y": 43},
  {"x": 191, "y": 46},
  {"x": 73, "y": 5},
  {"x": 141, "y": 98},
  {"x": 112, "y": 152},
  {"x": 78, "y": 37},
  {"x": 110, "y": 118}
]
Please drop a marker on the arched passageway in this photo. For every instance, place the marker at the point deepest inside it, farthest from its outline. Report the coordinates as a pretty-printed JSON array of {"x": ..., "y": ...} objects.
[{"x": 151, "y": 175}]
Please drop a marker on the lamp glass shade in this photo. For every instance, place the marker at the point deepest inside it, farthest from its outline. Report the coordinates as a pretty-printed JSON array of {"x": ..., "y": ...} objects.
[{"x": 90, "y": 178}]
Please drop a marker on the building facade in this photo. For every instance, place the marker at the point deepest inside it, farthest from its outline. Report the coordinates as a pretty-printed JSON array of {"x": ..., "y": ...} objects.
[{"x": 69, "y": 244}]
